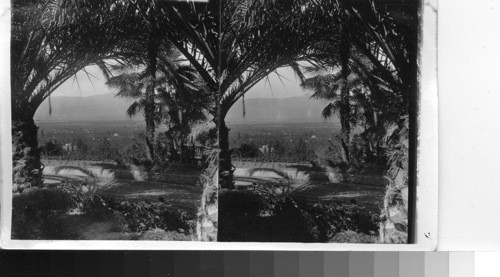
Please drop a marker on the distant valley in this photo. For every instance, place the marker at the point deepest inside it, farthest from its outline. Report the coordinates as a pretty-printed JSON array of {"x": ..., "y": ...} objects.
[
  {"x": 107, "y": 107},
  {"x": 278, "y": 110}
]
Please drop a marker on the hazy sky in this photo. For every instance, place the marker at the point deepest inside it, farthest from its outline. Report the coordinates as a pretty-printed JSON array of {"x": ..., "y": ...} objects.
[
  {"x": 274, "y": 88},
  {"x": 93, "y": 84},
  {"x": 86, "y": 85}
]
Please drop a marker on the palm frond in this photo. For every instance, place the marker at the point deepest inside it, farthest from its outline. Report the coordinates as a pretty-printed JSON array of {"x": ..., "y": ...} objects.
[
  {"x": 330, "y": 109},
  {"x": 323, "y": 86},
  {"x": 134, "y": 108},
  {"x": 298, "y": 71}
]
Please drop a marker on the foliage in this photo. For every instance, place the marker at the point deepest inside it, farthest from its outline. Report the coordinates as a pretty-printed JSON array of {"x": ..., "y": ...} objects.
[
  {"x": 141, "y": 216},
  {"x": 276, "y": 151},
  {"x": 41, "y": 213},
  {"x": 26, "y": 165},
  {"x": 52, "y": 148},
  {"x": 394, "y": 214},
  {"x": 268, "y": 213},
  {"x": 172, "y": 94},
  {"x": 160, "y": 234},
  {"x": 240, "y": 202},
  {"x": 353, "y": 237},
  {"x": 362, "y": 155},
  {"x": 375, "y": 69},
  {"x": 247, "y": 150},
  {"x": 82, "y": 149},
  {"x": 34, "y": 212},
  {"x": 301, "y": 150},
  {"x": 136, "y": 153},
  {"x": 259, "y": 37}
]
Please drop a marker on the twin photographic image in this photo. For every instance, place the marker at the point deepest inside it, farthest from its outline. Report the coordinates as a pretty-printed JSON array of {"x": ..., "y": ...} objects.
[{"x": 222, "y": 121}]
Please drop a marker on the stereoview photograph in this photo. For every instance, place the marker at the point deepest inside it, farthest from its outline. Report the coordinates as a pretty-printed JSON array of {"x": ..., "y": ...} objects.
[{"x": 232, "y": 121}]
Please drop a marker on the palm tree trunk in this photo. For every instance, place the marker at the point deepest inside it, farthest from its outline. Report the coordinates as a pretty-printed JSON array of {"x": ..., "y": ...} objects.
[
  {"x": 150, "y": 138},
  {"x": 149, "y": 109},
  {"x": 207, "y": 223},
  {"x": 26, "y": 165},
  {"x": 345, "y": 108},
  {"x": 226, "y": 169},
  {"x": 181, "y": 150},
  {"x": 394, "y": 217}
]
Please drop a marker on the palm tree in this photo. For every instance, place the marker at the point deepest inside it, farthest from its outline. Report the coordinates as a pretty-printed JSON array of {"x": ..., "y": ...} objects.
[
  {"x": 193, "y": 29},
  {"x": 382, "y": 35},
  {"x": 259, "y": 37},
  {"x": 136, "y": 82},
  {"x": 137, "y": 86},
  {"x": 187, "y": 113},
  {"x": 51, "y": 41},
  {"x": 332, "y": 86},
  {"x": 392, "y": 30},
  {"x": 386, "y": 34}
]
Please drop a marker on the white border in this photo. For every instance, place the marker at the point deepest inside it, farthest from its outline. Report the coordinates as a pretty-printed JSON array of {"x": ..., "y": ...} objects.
[{"x": 426, "y": 226}]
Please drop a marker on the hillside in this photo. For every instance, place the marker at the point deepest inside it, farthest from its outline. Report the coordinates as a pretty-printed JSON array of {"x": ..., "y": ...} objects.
[
  {"x": 103, "y": 107},
  {"x": 278, "y": 110}
]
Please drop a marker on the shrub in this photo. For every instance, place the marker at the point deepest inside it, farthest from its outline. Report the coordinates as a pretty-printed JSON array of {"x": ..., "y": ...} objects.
[
  {"x": 299, "y": 151},
  {"x": 95, "y": 206},
  {"x": 52, "y": 148},
  {"x": 271, "y": 214},
  {"x": 35, "y": 210},
  {"x": 135, "y": 153},
  {"x": 160, "y": 234},
  {"x": 250, "y": 216},
  {"x": 241, "y": 202},
  {"x": 141, "y": 216},
  {"x": 292, "y": 223},
  {"x": 363, "y": 156},
  {"x": 82, "y": 149},
  {"x": 248, "y": 150},
  {"x": 334, "y": 218},
  {"x": 353, "y": 237}
]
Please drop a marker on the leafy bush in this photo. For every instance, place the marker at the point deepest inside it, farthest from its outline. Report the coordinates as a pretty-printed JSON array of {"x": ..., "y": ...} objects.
[
  {"x": 160, "y": 234},
  {"x": 335, "y": 218},
  {"x": 241, "y": 202},
  {"x": 271, "y": 214},
  {"x": 292, "y": 224},
  {"x": 363, "y": 156},
  {"x": 353, "y": 237},
  {"x": 52, "y": 148},
  {"x": 44, "y": 213},
  {"x": 136, "y": 153},
  {"x": 35, "y": 210},
  {"x": 95, "y": 206},
  {"x": 141, "y": 216},
  {"x": 82, "y": 149},
  {"x": 248, "y": 150},
  {"x": 298, "y": 151}
]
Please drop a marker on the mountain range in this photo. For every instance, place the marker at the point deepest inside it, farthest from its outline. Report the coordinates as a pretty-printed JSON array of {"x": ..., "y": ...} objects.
[
  {"x": 278, "y": 110},
  {"x": 103, "y": 107},
  {"x": 107, "y": 107}
]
